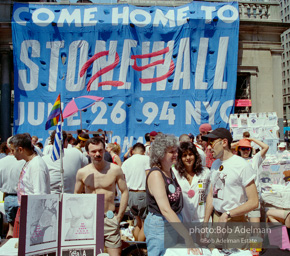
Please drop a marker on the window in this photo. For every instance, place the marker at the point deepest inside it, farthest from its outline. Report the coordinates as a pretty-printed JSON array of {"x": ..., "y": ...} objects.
[
  {"x": 284, "y": 100},
  {"x": 284, "y": 91}
]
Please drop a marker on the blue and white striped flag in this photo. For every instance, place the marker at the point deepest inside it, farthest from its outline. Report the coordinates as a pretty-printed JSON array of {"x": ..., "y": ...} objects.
[{"x": 57, "y": 145}]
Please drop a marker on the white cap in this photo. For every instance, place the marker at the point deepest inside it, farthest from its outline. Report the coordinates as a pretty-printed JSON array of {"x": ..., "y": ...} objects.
[{"x": 282, "y": 145}]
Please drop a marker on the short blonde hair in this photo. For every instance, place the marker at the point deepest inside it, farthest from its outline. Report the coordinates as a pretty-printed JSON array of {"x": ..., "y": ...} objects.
[{"x": 116, "y": 148}]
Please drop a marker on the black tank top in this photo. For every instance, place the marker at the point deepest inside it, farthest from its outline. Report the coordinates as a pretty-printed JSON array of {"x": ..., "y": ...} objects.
[{"x": 173, "y": 192}]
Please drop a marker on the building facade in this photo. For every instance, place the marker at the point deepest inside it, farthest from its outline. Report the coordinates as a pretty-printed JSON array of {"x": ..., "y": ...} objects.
[
  {"x": 285, "y": 39},
  {"x": 259, "y": 60}
]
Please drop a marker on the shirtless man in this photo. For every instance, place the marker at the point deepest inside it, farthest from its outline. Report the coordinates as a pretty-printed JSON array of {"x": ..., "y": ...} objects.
[{"x": 101, "y": 177}]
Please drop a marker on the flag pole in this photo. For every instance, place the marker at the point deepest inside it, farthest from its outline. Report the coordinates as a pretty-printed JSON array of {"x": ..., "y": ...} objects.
[
  {"x": 55, "y": 118},
  {"x": 61, "y": 155}
]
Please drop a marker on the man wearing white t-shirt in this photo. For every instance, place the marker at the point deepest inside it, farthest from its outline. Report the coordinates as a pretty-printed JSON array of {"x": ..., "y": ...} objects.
[
  {"x": 73, "y": 160},
  {"x": 233, "y": 192},
  {"x": 34, "y": 176},
  {"x": 10, "y": 170},
  {"x": 134, "y": 169}
]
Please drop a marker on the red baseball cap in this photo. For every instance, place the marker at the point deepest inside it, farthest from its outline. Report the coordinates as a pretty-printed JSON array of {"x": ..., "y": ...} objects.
[{"x": 205, "y": 128}]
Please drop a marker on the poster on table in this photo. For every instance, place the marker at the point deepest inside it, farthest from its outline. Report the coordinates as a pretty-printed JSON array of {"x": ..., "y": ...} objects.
[
  {"x": 73, "y": 225},
  {"x": 166, "y": 69}
]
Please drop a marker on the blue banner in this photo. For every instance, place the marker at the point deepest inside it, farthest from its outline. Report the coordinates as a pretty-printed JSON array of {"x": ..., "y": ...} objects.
[{"x": 158, "y": 68}]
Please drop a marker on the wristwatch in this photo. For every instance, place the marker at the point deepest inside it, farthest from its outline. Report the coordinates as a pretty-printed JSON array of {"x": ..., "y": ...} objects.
[{"x": 228, "y": 213}]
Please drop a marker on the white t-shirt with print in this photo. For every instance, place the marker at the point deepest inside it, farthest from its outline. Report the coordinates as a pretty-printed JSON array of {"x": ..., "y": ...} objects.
[
  {"x": 34, "y": 178},
  {"x": 194, "y": 208},
  {"x": 229, "y": 183}
]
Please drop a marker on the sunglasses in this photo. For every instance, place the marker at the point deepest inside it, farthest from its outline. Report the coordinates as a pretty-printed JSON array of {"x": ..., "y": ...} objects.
[
  {"x": 212, "y": 143},
  {"x": 245, "y": 148}
]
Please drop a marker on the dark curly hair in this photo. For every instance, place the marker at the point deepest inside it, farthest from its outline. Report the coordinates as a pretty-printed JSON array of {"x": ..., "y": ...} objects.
[{"x": 197, "y": 167}]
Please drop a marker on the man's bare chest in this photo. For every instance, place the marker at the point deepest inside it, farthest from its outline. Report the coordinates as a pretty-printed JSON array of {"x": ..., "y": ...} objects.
[{"x": 95, "y": 181}]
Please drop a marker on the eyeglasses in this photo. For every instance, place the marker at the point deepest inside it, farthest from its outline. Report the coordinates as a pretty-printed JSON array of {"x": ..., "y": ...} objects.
[{"x": 245, "y": 148}]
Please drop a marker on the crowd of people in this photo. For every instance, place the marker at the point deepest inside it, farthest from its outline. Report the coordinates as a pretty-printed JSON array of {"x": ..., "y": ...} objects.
[{"x": 167, "y": 180}]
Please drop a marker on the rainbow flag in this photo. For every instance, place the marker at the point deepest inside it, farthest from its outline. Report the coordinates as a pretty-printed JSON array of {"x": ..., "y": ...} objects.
[{"x": 54, "y": 115}]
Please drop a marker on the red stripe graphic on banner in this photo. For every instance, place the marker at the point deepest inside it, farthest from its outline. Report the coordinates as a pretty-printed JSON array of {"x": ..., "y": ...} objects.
[
  {"x": 158, "y": 62},
  {"x": 101, "y": 71}
]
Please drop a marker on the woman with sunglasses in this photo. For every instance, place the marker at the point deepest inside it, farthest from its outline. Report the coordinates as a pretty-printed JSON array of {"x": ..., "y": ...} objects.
[
  {"x": 244, "y": 149},
  {"x": 194, "y": 182}
]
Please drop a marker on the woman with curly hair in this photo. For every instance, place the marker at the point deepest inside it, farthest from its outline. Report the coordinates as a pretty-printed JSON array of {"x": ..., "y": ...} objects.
[
  {"x": 193, "y": 180},
  {"x": 114, "y": 149},
  {"x": 164, "y": 199}
]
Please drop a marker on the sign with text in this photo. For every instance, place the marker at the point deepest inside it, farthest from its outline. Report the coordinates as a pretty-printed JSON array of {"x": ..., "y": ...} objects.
[
  {"x": 158, "y": 68},
  {"x": 73, "y": 225}
]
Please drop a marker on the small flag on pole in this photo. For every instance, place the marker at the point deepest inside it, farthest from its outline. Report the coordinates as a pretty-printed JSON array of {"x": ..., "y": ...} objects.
[
  {"x": 57, "y": 145},
  {"x": 55, "y": 114}
]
